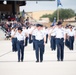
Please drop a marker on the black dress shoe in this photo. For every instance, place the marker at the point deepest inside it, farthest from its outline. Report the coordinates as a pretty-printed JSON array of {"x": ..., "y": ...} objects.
[
  {"x": 41, "y": 60},
  {"x": 18, "y": 60},
  {"x": 58, "y": 60},
  {"x": 61, "y": 59},
  {"x": 37, "y": 61},
  {"x": 21, "y": 60}
]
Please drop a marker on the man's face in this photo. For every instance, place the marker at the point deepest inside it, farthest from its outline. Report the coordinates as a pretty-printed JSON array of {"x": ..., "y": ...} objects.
[
  {"x": 39, "y": 28},
  {"x": 19, "y": 31},
  {"x": 59, "y": 26}
]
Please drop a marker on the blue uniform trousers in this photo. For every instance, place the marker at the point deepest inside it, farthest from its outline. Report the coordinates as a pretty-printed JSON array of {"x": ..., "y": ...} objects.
[
  {"x": 71, "y": 42},
  {"x": 14, "y": 44},
  {"x": 26, "y": 41},
  {"x": 20, "y": 48},
  {"x": 53, "y": 42},
  {"x": 30, "y": 38},
  {"x": 60, "y": 48},
  {"x": 46, "y": 38},
  {"x": 39, "y": 46},
  {"x": 67, "y": 43},
  {"x": 33, "y": 39}
]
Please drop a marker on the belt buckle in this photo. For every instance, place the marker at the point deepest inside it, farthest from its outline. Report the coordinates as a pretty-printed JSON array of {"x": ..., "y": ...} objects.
[
  {"x": 39, "y": 40},
  {"x": 60, "y": 38}
]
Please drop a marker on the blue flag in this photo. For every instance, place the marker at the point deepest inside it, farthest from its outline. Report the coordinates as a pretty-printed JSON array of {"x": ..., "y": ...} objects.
[
  {"x": 58, "y": 3},
  {"x": 54, "y": 22}
]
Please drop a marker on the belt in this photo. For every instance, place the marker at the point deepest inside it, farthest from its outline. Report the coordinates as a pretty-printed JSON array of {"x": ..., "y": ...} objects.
[
  {"x": 52, "y": 36},
  {"x": 59, "y": 38},
  {"x": 71, "y": 36},
  {"x": 14, "y": 38},
  {"x": 39, "y": 40},
  {"x": 20, "y": 40}
]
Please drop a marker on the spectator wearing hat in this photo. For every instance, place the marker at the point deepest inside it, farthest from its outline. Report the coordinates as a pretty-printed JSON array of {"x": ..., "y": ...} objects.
[
  {"x": 20, "y": 44},
  {"x": 60, "y": 38},
  {"x": 40, "y": 39}
]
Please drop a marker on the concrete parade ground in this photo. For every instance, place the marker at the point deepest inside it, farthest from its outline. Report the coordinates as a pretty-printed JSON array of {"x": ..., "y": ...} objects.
[{"x": 50, "y": 65}]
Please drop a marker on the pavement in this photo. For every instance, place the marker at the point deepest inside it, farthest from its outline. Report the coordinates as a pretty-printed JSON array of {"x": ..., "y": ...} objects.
[
  {"x": 2, "y": 36},
  {"x": 50, "y": 65}
]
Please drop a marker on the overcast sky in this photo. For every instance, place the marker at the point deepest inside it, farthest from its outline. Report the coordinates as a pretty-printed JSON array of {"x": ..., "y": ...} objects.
[{"x": 48, "y": 5}]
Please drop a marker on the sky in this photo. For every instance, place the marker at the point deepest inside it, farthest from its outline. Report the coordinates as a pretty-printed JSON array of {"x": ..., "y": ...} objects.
[{"x": 48, "y": 5}]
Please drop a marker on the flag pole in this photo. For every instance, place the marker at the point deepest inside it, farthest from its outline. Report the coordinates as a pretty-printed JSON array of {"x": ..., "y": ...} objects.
[
  {"x": 58, "y": 3},
  {"x": 57, "y": 14}
]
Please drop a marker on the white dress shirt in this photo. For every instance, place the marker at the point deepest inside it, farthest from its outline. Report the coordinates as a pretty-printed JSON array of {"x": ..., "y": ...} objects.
[
  {"x": 30, "y": 30},
  {"x": 13, "y": 33},
  {"x": 25, "y": 31},
  {"x": 20, "y": 36},
  {"x": 59, "y": 32},
  {"x": 71, "y": 33},
  {"x": 39, "y": 34},
  {"x": 34, "y": 32},
  {"x": 52, "y": 32}
]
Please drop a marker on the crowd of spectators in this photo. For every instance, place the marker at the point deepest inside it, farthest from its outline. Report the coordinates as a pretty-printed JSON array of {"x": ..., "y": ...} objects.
[{"x": 9, "y": 21}]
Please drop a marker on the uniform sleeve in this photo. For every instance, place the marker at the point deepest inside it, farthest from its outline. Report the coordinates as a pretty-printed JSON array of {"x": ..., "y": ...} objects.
[
  {"x": 49, "y": 31},
  {"x": 11, "y": 33},
  {"x": 74, "y": 33},
  {"x": 44, "y": 33}
]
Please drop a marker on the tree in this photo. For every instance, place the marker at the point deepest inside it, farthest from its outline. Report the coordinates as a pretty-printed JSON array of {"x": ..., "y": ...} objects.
[
  {"x": 44, "y": 16},
  {"x": 75, "y": 14},
  {"x": 63, "y": 14}
]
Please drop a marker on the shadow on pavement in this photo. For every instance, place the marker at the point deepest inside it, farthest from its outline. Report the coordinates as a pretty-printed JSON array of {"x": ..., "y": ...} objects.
[{"x": 29, "y": 61}]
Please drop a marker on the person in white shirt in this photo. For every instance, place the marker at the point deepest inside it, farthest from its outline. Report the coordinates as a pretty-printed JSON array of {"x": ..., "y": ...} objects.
[
  {"x": 30, "y": 36},
  {"x": 67, "y": 38},
  {"x": 14, "y": 39},
  {"x": 40, "y": 39},
  {"x": 71, "y": 35},
  {"x": 25, "y": 31},
  {"x": 20, "y": 44},
  {"x": 60, "y": 38},
  {"x": 52, "y": 38},
  {"x": 46, "y": 32},
  {"x": 33, "y": 36}
]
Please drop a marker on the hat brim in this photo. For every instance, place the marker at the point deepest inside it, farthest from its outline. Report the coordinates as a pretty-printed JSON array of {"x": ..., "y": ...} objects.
[
  {"x": 59, "y": 24},
  {"x": 39, "y": 25}
]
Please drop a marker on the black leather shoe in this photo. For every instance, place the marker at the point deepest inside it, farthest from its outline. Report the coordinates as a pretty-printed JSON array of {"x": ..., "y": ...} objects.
[
  {"x": 41, "y": 60},
  {"x": 37, "y": 61},
  {"x": 61, "y": 59},
  {"x": 21, "y": 60},
  {"x": 18, "y": 60},
  {"x": 58, "y": 60}
]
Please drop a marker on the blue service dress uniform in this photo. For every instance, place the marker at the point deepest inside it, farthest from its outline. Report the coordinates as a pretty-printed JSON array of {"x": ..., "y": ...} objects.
[
  {"x": 39, "y": 44},
  {"x": 71, "y": 35},
  {"x": 46, "y": 32},
  {"x": 20, "y": 45},
  {"x": 30, "y": 36},
  {"x": 60, "y": 36},
  {"x": 67, "y": 37},
  {"x": 52, "y": 39},
  {"x": 33, "y": 39},
  {"x": 25, "y": 31},
  {"x": 14, "y": 39}
]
